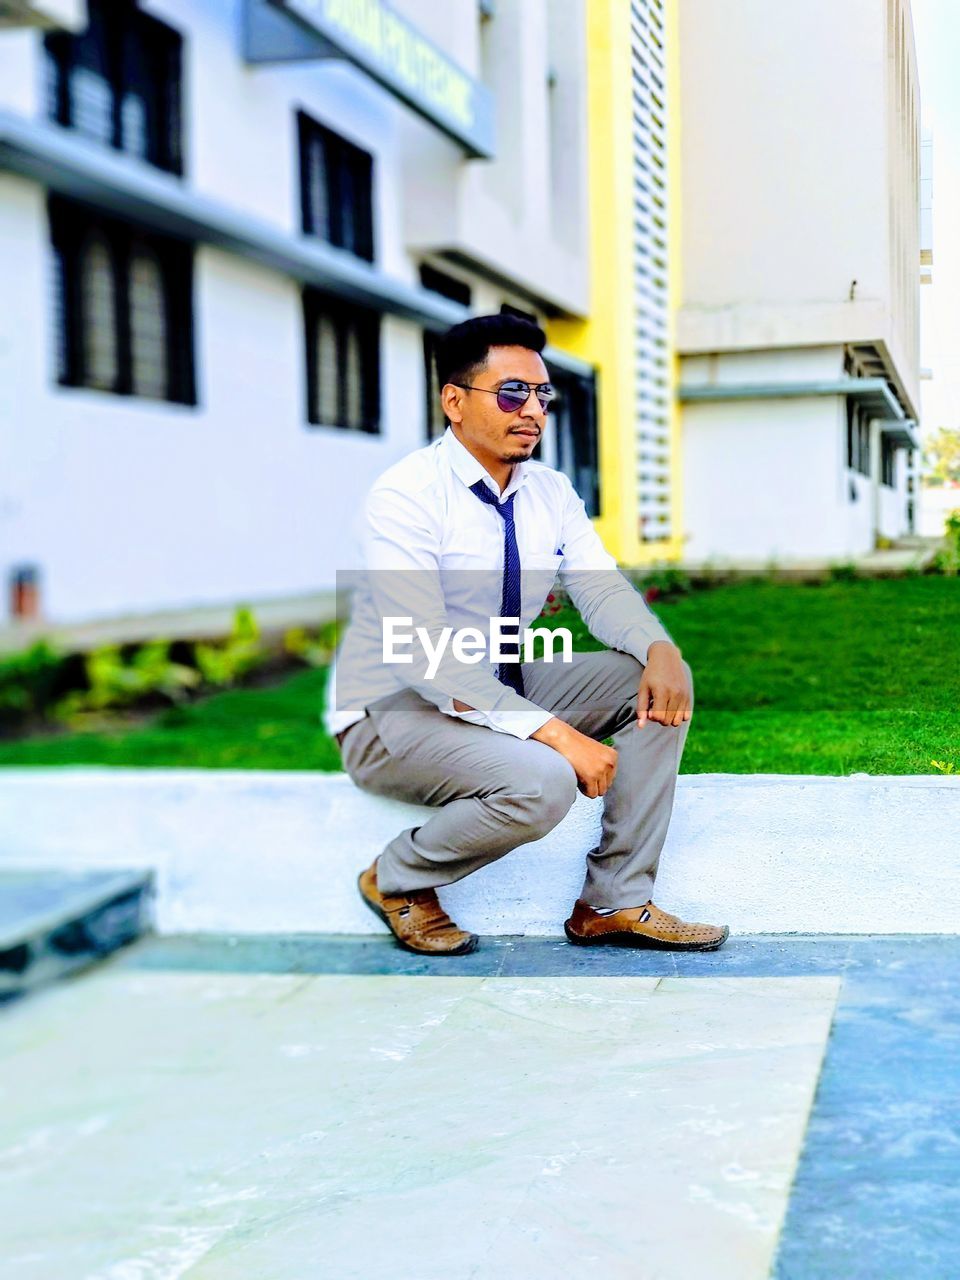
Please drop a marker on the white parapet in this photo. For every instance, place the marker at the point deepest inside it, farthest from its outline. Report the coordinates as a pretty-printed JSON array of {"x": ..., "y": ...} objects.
[{"x": 269, "y": 852}]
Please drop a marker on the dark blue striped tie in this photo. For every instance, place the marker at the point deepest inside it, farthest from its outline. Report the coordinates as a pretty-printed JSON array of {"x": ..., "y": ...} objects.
[{"x": 510, "y": 672}]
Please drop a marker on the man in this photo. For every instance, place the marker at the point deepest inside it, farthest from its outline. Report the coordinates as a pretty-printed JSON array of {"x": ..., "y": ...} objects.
[{"x": 467, "y": 530}]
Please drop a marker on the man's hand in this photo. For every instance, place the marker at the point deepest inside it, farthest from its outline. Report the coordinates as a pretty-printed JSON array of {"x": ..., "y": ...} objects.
[
  {"x": 664, "y": 694},
  {"x": 593, "y": 763}
]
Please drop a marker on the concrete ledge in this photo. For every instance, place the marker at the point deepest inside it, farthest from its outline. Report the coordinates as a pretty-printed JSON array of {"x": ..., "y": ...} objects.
[{"x": 266, "y": 852}]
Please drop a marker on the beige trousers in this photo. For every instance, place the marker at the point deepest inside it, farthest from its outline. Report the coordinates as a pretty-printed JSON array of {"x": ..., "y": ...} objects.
[{"x": 494, "y": 792}]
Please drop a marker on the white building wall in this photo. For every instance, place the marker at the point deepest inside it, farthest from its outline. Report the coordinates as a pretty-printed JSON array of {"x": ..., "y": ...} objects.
[
  {"x": 524, "y": 213},
  {"x": 130, "y": 505},
  {"x": 797, "y": 235},
  {"x": 891, "y": 521},
  {"x": 934, "y": 506},
  {"x": 859, "y": 513},
  {"x": 782, "y": 209},
  {"x": 241, "y": 129},
  {"x": 19, "y": 78},
  {"x": 763, "y": 479}
]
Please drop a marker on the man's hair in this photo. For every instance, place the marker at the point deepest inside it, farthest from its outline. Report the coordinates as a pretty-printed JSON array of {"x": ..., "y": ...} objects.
[{"x": 462, "y": 351}]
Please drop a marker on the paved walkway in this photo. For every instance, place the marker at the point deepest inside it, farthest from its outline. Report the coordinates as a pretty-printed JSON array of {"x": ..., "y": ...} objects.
[{"x": 317, "y": 1107}]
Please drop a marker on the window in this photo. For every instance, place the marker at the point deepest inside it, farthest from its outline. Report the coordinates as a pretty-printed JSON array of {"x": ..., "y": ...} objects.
[
  {"x": 343, "y": 363},
  {"x": 456, "y": 291},
  {"x": 336, "y": 189},
  {"x": 574, "y": 422},
  {"x": 447, "y": 286},
  {"x": 436, "y": 418},
  {"x": 123, "y": 306},
  {"x": 118, "y": 82},
  {"x": 858, "y": 438}
]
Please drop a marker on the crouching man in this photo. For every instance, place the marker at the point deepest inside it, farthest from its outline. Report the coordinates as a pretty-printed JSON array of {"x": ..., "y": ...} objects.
[{"x": 471, "y": 529}]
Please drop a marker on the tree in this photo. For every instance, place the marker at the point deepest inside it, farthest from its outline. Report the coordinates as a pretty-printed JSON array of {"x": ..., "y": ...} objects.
[{"x": 941, "y": 457}]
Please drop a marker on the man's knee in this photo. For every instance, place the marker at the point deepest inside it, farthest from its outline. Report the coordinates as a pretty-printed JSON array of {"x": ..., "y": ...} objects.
[
  {"x": 543, "y": 796},
  {"x": 686, "y": 667},
  {"x": 621, "y": 676}
]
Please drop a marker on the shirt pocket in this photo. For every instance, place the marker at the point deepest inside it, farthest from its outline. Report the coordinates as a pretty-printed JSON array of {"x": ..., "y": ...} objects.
[{"x": 539, "y": 573}]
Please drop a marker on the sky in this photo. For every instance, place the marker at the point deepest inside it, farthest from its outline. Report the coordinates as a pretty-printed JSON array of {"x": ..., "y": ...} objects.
[{"x": 937, "y": 31}]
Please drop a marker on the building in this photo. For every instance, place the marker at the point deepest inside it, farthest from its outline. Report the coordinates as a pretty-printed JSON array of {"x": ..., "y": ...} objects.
[
  {"x": 627, "y": 333},
  {"x": 228, "y": 232},
  {"x": 934, "y": 502},
  {"x": 798, "y": 330}
]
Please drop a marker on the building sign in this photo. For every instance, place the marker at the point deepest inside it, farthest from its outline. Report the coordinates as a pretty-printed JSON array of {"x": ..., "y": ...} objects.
[{"x": 369, "y": 34}]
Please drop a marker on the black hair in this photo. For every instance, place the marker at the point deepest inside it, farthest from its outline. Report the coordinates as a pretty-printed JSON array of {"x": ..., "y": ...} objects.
[{"x": 462, "y": 351}]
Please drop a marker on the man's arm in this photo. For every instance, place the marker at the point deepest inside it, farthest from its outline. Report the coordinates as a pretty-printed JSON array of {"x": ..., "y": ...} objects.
[
  {"x": 616, "y": 613},
  {"x": 594, "y": 764}
]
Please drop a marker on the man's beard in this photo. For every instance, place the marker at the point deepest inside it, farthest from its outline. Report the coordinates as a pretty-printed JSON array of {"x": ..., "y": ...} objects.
[{"x": 523, "y": 450}]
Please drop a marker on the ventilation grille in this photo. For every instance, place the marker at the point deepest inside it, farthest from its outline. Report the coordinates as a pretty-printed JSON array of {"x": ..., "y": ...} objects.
[{"x": 650, "y": 271}]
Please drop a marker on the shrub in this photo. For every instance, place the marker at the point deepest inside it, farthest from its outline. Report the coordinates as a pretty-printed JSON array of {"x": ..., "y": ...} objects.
[
  {"x": 845, "y": 571},
  {"x": 947, "y": 559},
  {"x": 119, "y": 679},
  {"x": 661, "y": 583},
  {"x": 223, "y": 664},
  {"x": 317, "y": 649},
  {"x": 28, "y": 681}
]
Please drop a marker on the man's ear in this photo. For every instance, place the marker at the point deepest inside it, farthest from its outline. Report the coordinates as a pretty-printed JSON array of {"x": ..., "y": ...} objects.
[{"x": 451, "y": 398}]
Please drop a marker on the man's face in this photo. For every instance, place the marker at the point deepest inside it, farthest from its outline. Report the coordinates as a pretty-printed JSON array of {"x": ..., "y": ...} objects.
[{"x": 492, "y": 436}]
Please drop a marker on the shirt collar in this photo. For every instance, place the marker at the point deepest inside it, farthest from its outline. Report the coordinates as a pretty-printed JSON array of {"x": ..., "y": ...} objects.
[{"x": 466, "y": 467}]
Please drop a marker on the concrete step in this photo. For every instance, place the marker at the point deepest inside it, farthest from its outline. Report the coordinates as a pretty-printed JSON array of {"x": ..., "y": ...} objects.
[
  {"x": 196, "y": 622},
  {"x": 239, "y": 852},
  {"x": 903, "y": 555},
  {"x": 919, "y": 540},
  {"x": 54, "y": 921}
]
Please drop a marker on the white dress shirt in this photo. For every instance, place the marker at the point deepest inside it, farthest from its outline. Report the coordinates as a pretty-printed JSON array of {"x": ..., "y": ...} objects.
[{"x": 421, "y": 533}]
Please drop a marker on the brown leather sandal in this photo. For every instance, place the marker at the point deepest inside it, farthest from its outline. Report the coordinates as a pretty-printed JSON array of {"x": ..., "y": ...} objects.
[
  {"x": 645, "y": 926},
  {"x": 416, "y": 919}
]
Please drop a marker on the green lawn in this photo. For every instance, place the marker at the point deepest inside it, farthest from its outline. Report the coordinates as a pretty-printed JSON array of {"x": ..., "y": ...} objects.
[{"x": 835, "y": 678}]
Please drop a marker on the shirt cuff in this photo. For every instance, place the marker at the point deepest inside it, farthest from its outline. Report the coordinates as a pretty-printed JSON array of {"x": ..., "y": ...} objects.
[
  {"x": 644, "y": 654},
  {"x": 520, "y": 724}
]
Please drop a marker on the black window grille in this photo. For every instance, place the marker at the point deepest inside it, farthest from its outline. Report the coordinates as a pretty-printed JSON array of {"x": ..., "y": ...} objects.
[
  {"x": 119, "y": 82},
  {"x": 123, "y": 306},
  {"x": 851, "y": 434},
  {"x": 336, "y": 189},
  {"x": 858, "y": 438},
  {"x": 574, "y": 423},
  {"x": 343, "y": 363}
]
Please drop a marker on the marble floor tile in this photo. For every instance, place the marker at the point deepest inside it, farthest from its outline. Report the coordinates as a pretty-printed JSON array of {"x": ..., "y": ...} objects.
[
  {"x": 177, "y": 1125},
  {"x": 877, "y": 1190}
]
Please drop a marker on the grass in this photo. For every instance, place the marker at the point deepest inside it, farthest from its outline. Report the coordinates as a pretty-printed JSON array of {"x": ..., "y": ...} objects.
[
  {"x": 273, "y": 728},
  {"x": 833, "y": 678}
]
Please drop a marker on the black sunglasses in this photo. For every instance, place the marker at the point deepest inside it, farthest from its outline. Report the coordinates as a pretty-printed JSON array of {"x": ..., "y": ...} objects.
[{"x": 513, "y": 395}]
